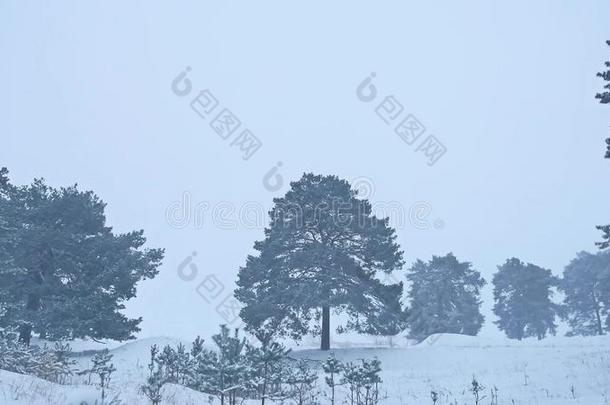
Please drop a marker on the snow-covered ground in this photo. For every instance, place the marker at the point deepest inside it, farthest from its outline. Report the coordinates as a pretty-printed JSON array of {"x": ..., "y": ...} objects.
[{"x": 552, "y": 371}]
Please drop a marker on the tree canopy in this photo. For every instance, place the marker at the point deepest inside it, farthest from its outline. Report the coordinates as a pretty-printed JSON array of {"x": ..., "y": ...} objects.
[
  {"x": 63, "y": 273},
  {"x": 322, "y": 251}
]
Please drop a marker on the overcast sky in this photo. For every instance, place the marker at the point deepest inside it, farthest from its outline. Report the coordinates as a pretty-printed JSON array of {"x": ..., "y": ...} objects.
[{"x": 506, "y": 88}]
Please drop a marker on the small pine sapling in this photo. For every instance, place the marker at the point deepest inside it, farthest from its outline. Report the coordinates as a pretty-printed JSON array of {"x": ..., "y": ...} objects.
[
  {"x": 476, "y": 388},
  {"x": 101, "y": 366},
  {"x": 302, "y": 382},
  {"x": 332, "y": 367},
  {"x": 65, "y": 362},
  {"x": 155, "y": 380},
  {"x": 266, "y": 364},
  {"x": 370, "y": 371},
  {"x": 363, "y": 381}
]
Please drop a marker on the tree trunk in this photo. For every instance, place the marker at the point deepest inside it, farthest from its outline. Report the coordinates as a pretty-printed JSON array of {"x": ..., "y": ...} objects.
[
  {"x": 264, "y": 386},
  {"x": 25, "y": 334},
  {"x": 600, "y": 329},
  {"x": 325, "y": 345}
]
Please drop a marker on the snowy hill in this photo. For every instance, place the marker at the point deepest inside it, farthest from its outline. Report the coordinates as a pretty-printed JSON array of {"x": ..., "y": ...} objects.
[{"x": 555, "y": 371}]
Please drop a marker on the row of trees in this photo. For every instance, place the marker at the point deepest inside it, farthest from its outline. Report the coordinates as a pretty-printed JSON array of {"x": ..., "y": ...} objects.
[
  {"x": 65, "y": 275},
  {"x": 237, "y": 369},
  {"x": 325, "y": 251},
  {"x": 523, "y": 297},
  {"x": 444, "y": 297}
]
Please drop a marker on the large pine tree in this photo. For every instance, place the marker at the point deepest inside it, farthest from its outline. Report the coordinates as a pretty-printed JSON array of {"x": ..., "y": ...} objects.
[
  {"x": 522, "y": 294},
  {"x": 444, "y": 297},
  {"x": 604, "y": 98},
  {"x": 586, "y": 284},
  {"x": 322, "y": 251},
  {"x": 63, "y": 273}
]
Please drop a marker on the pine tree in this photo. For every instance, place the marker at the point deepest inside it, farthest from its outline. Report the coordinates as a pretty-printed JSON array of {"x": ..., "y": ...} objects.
[
  {"x": 586, "y": 285},
  {"x": 332, "y": 368},
  {"x": 362, "y": 381},
  {"x": 63, "y": 273},
  {"x": 522, "y": 294},
  {"x": 302, "y": 382},
  {"x": 176, "y": 363},
  {"x": 266, "y": 363},
  {"x": 476, "y": 388},
  {"x": 65, "y": 362},
  {"x": 156, "y": 378},
  {"x": 43, "y": 362},
  {"x": 200, "y": 368},
  {"x": 604, "y": 98},
  {"x": 226, "y": 372},
  {"x": 322, "y": 252},
  {"x": 371, "y": 380},
  {"x": 101, "y": 365},
  {"x": 153, "y": 386},
  {"x": 444, "y": 297}
]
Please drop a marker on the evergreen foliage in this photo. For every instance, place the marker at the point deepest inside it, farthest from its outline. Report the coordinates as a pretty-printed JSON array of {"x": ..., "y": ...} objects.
[
  {"x": 522, "y": 294},
  {"x": 444, "y": 297},
  {"x": 322, "y": 252}
]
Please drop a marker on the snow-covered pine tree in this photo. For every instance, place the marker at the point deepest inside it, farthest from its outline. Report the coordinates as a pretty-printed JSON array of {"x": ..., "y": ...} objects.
[
  {"x": 226, "y": 372},
  {"x": 156, "y": 378},
  {"x": 167, "y": 359},
  {"x": 522, "y": 294},
  {"x": 363, "y": 381},
  {"x": 58, "y": 254},
  {"x": 14, "y": 357},
  {"x": 266, "y": 367},
  {"x": 586, "y": 286},
  {"x": 301, "y": 380},
  {"x": 332, "y": 368},
  {"x": 371, "y": 379},
  {"x": 201, "y": 368},
  {"x": 51, "y": 364},
  {"x": 476, "y": 388},
  {"x": 183, "y": 364},
  {"x": 604, "y": 98},
  {"x": 322, "y": 252},
  {"x": 444, "y": 297},
  {"x": 153, "y": 386},
  {"x": 176, "y": 364},
  {"x": 65, "y": 362},
  {"x": 351, "y": 378},
  {"x": 102, "y": 367}
]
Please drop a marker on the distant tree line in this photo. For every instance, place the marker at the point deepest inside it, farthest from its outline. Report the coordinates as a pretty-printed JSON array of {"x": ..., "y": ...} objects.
[{"x": 325, "y": 252}]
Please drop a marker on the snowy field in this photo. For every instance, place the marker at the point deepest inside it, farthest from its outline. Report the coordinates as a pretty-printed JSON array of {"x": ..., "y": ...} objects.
[{"x": 553, "y": 371}]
